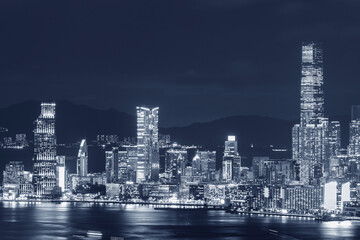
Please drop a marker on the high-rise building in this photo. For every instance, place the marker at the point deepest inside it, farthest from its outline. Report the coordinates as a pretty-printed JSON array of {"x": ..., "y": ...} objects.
[
  {"x": 20, "y": 140},
  {"x": 82, "y": 159},
  {"x": 123, "y": 166},
  {"x": 132, "y": 162},
  {"x": 231, "y": 158},
  {"x": 227, "y": 170},
  {"x": 312, "y": 94},
  {"x": 355, "y": 112},
  {"x": 61, "y": 173},
  {"x": 354, "y": 138},
  {"x": 354, "y": 131},
  {"x": 147, "y": 144},
  {"x": 14, "y": 173},
  {"x": 316, "y": 138},
  {"x": 330, "y": 196},
  {"x": 231, "y": 147},
  {"x": 13, "y": 177},
  {"x": 112, "y": 165},
  {"x": 44, "y": 178},
  {"x": 176, "y": 161},
  {"x": 204, "y": 164}
]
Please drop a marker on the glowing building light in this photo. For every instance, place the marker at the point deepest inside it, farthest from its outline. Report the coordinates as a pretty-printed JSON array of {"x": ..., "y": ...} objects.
[
  {"x": 231, "y": 138},
  {"x": 330, "y": 196},
  {"x": 345, "y": 193}
]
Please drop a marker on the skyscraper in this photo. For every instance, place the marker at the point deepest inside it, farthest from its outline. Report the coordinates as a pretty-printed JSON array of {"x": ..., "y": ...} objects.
[
  {"x": 147, "y": 144},
  {"x": 44, "y": 178},
  {"x": 315, "y": 139},
  {"x": 354, "y": 131},
  {"x": 82, "y": 159},
  {"x": 231, "y": 148},
  {"x": 230, "y": 154},
  {"x": 176, "y": 160},
  {"x": 112, "y": 165},
  {"x": 123, "y": 166},
  {"x": 312, "y": 93},
  {"x": 61, "y": 173},
  {"x": 355, "y": 112}
]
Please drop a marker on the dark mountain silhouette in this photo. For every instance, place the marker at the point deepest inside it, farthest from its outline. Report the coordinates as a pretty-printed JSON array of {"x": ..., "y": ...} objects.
[
  {"x": 73, "y": 122},
  {"x": 257, "y": 130}
]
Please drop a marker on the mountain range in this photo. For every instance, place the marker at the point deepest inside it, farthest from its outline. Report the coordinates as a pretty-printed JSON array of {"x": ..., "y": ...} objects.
[{"x": 74, "y": 122}]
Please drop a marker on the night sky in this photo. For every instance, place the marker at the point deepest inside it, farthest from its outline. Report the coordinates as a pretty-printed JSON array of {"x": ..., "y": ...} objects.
[{"x": 197, "y": 60}]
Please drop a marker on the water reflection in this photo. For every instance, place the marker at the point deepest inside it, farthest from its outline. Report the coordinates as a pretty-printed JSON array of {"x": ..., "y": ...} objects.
[{"x": 65, "y": 220}]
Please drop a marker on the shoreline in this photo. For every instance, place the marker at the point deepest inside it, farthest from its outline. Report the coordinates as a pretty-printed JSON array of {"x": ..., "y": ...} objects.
[{"x": 184, "y": 206}]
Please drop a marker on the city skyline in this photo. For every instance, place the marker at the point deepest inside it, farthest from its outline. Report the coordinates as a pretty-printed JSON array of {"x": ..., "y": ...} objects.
[
  {"x": 320, "y": 181},
  {"x": 191, "y": 119}
]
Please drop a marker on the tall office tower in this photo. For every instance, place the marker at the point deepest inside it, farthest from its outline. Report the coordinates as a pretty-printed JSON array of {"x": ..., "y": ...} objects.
[
  {"x": 123, "y": 166},
  {"x": 44, "y": 178},
  {"x": 147, "y": 144},
  {"x": 231, "y": 147},
  {"x": 227, "y": 170},
  {"x": 315, "y": 139},
  {"x": 354, "y": 138},
  {"x": 355, "y": 112},
  {"x": 334, "y": 143},
  {"x": 176, "y": 161},
  {"x": 354, "y": 131},
  {"x": 132, "y": 162},
  {"x": 112, "y": 165},
  {"x": 236, "y": 169},
  {"x": 231, "y": 158},
  {"x": 312, "y": 94},
  {"x": 82, "y": 159},
  {"x": 204, "y": 164}
]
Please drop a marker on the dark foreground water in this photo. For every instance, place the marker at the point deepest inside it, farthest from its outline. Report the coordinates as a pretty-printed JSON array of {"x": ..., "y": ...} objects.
[{"x": 63, "y": 221}]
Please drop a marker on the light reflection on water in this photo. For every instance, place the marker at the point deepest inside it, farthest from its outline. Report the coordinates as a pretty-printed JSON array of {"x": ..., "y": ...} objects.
[{"x": 62, "y": 221}]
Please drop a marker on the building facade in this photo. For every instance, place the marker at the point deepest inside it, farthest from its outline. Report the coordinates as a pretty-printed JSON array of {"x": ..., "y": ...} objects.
[
  {"x": 45, "y": 162},
  {"x": 315, "y": 139},
  {"x": 147, "y": 144},
  {"x": 82, "y": 159}
]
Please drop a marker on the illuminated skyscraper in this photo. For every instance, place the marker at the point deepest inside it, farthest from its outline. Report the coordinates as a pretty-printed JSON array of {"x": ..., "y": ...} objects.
[
  {"x": 176, "y": 160},
  {"x": 315, "y": 139},
  {"x": 354, "y": 131},
  {"x": 147, "y": 144},
  {"x": 45, "y": 151},
  {"x": 204, "y": 164},
  {"x": 231, "y": 148},
  {"x": 330, "y": 196},
  {"x": 230, "y": 154},
  {"x": 112, "y": 165},
  {"x": 227, "y": 170},
  {"x": 82, "y": 159},
  {"x": 123, "y": 166},
  {"x": 312, "y": 94},
  {"x": 61, "y": 173}
]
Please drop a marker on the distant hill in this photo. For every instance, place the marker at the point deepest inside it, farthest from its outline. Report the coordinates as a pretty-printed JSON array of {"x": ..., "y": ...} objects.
[
  {"x": 73, "y": 122},
  {"x": 257, "y": 130}
]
